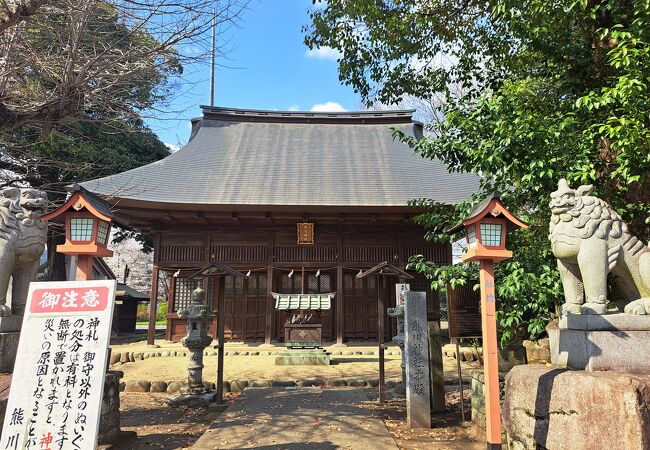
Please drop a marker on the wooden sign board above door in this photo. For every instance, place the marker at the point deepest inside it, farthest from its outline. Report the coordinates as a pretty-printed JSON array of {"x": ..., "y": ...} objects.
[{"x": 305, "y": 233}]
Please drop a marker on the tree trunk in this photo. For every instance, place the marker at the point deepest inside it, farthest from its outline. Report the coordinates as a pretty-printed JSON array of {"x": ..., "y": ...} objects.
[
  {"x": 55, "y": 261},
  {"x": 55, "y": 236}
]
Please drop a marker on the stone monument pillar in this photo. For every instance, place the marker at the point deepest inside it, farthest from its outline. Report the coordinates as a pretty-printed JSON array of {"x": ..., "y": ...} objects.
[
  {"x": 416, "y": 347},
  {"x": 198, "y": 317},
  {"x": 22, "y": 242}
]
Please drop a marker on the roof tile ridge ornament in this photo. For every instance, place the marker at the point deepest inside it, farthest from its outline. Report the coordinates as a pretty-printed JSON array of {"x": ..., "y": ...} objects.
[{"x": 319, "y": 117}]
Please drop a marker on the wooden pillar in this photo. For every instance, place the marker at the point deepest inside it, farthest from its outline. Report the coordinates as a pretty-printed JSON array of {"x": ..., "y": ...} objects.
[
  {"x": 339, "y": 305},
  {"x": 84, "y": 269},
  {"x": 220, "y": 326},
  {"x": 490, "y": 361},
  {"x": 340, "y": 311},
  {"x": 153, "y": 305},
  {"x": 270, "y": 307},
  {"x": 381, "y": 296},
  {"x": 170, "y": 304},
  {"x": 153, "y": 300}
]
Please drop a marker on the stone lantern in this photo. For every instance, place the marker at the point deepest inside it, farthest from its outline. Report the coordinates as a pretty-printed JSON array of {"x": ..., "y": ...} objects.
[
  {"x": 398, "y": 313},
  {"x": 199, "y": 317}
]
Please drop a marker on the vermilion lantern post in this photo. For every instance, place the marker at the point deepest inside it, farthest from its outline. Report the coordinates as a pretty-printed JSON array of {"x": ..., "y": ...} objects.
[
  {"x": 88, "y": 222},
  {"x": 485, "y": 231}
]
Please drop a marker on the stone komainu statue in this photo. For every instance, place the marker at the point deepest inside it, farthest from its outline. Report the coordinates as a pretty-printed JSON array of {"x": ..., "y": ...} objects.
[
  {"x": 22, "y": 241},
  {"x": 590, "y": 240}
]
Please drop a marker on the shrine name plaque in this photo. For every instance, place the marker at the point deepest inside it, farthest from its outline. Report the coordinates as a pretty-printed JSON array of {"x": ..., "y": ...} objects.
[{"x": 464, "y": 311}]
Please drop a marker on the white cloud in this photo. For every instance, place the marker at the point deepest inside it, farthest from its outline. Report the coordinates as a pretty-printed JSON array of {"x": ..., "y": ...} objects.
[
  {"x": 294, "y": 108},
  {"x": 172, "y": 147},
  {"x": 323, "y": 53},
  {"x": 328, "y": 107}
]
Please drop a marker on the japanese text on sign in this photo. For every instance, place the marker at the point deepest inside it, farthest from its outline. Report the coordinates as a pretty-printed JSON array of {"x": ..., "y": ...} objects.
[
  {"x": 416, "y": 348},
  {"x": 61, "y": 364}
]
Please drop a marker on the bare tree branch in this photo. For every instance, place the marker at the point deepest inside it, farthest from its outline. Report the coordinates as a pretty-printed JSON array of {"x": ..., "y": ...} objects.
[{"x": 12, "y": 13}]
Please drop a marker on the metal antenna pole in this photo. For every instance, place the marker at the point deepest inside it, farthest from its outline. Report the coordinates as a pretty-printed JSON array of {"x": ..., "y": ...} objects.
[{"x": 212, "y": 57}]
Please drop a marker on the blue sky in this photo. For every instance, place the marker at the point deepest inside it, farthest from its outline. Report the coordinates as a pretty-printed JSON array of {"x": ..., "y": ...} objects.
[{"x": 269, "y": 68}]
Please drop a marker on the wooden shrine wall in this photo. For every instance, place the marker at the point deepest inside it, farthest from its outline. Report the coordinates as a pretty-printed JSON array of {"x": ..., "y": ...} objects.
[{"x": 271, "y": 252}]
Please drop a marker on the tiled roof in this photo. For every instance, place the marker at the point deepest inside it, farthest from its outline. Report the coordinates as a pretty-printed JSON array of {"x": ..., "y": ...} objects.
[{"x": 244, "y": 157}]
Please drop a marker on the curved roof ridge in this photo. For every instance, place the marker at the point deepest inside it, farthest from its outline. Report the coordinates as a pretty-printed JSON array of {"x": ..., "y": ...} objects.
[{"x": 318, "y": 117}]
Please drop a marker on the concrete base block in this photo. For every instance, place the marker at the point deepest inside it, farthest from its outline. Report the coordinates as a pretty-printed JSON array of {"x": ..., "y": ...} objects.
[
  {"x": 109, "y": 424},
  {"x": 615, "y": 342},
  {"x": 11, "y": 323},
  {"x": 561, "y": 409},
  {"x": 315, "y": 357},
  {"x": 8, "y": 350}
]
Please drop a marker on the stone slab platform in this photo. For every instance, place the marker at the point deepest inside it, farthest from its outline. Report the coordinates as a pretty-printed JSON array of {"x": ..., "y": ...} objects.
[
  {"x": 314, "y": 357},
  {"x": 606, "y": 322},
  {"x": 8, "y": 350},
  {"x": 11, "y": 323},
  {"x": 5, "y": 385},
  {"x": 615, "y": 342},
  {"x": 561, "y": 409},
  {"x": 298, "y": 419}
]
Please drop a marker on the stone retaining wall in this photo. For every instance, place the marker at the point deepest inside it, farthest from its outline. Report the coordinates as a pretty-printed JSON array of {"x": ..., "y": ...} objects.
[
  {"x": 125, "y": 357},
  {"x": 173, "y": 387}
]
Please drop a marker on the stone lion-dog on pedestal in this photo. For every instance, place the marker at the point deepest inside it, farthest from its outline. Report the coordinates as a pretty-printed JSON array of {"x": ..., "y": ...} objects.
[
  {"x": 590, "y": 240},
  {"x": 22, "y": 242}
]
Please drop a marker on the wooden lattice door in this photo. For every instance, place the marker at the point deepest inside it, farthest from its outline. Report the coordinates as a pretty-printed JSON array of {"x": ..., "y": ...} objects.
[
  {"x": 360, "y": 307},
  {"x": 245, "y": 307}
]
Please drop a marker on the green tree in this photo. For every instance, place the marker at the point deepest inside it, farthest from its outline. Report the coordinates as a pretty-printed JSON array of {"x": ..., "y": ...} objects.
[
  {"x": 74, "y": 82},
  {"x": 533, "y": 91},
  {"x": 73, "y": 152}
]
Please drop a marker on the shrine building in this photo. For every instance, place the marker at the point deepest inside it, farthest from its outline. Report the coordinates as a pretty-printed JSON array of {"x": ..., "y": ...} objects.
[{"x": 300, "y": 202}]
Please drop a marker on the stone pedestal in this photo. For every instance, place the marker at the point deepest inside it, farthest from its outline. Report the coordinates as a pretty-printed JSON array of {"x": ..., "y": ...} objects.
[
  {"x": 109, "y": 423},
  {"x": 562, "y": 409},
  {"x": 11, "y": 323},
  {"x": 314, "y": 357},
  {"x": 8, "y": 349},
  {"x": 195, "y": 385},
  {"x": 613, "y": 342},
  {"x": 398, "y": 339}
]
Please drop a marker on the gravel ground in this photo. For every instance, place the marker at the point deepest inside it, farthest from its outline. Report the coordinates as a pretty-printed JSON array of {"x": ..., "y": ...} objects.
[
  {"x": 160, "y": 427},
  {"x": 447, "y": 431}
]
